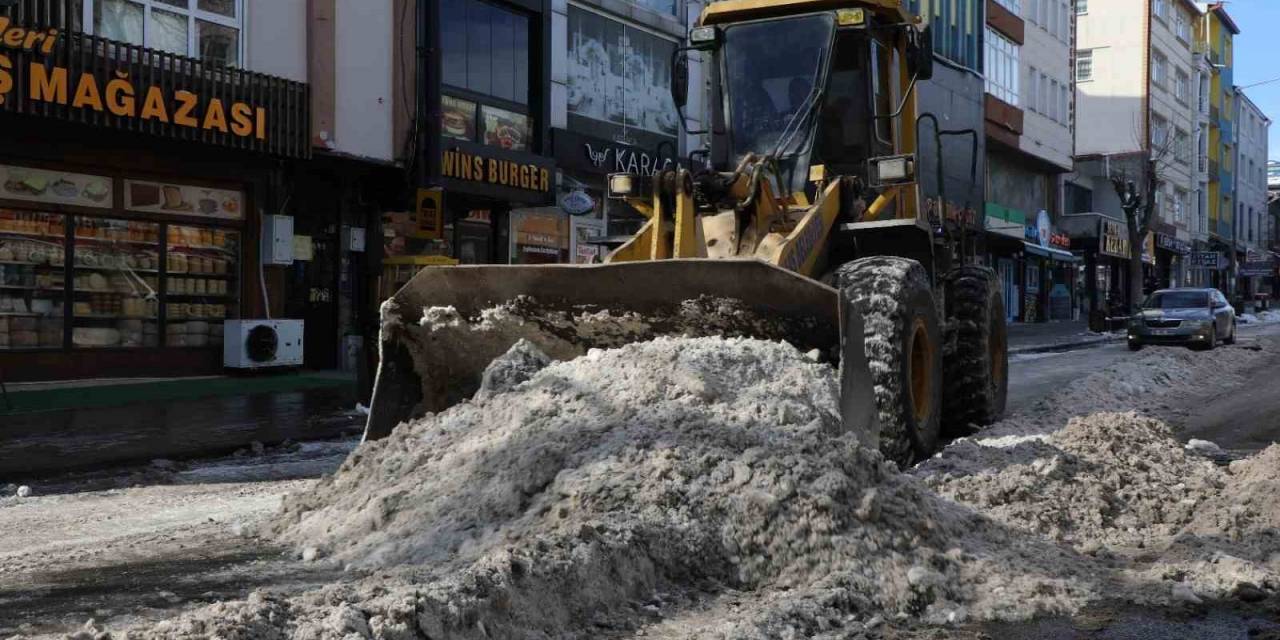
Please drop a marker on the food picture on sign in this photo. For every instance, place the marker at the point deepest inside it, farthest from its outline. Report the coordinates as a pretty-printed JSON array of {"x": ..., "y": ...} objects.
[
  {"x": 506, "y": 129},
  {"x": 458, "y": 118}
]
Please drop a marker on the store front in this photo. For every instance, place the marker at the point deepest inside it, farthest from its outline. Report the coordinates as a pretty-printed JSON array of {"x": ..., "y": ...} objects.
[
  {"x": 1050, "y": 273},
  {"x": 130, "y": 206},
  {"x": 1171, "y": 254},
  {"x": 485, "y": 189},
  {"x": 585, "y": 163}
]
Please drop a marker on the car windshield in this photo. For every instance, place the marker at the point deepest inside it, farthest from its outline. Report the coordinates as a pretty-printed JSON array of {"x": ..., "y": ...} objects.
[
  {"x": 1177, "y": 300},
  {"x": 769, "y": 84}
]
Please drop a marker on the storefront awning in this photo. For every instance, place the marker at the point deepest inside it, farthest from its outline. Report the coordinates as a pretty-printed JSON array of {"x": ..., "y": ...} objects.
[{"x": 1050, "y": 252}]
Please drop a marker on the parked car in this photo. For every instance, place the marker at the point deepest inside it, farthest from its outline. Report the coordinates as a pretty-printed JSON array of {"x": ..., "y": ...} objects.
[{"x": 1185, "y": 316}]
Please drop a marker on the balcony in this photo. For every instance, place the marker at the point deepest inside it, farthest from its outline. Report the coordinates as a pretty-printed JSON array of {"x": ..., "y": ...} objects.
[
  {"x": 1214, "y": 174},
  {"x": 1213, "y": 115}
]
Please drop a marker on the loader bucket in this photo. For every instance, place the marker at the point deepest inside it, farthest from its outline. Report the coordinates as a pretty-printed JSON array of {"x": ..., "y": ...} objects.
[{"x": 443, "y": 328}]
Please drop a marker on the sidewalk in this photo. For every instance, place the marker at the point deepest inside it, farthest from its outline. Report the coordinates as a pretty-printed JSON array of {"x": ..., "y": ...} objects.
[
  {"x": 1037, "y": 337},
  {"x": 56, "y": 427}
]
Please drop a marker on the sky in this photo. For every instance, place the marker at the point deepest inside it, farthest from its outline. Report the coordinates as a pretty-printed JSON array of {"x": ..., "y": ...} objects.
[{"x": 1257, "y": 52}]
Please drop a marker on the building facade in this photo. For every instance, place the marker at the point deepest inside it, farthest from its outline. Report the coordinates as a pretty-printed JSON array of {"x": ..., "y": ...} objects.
[
  {"x": 143, "y": 144},
  {"x": 1135, "y": 112},
  {"x": 1252, "y": 222},
  {"x": 1215, "y": 34},
  {"x": 1029, "y": 124}
]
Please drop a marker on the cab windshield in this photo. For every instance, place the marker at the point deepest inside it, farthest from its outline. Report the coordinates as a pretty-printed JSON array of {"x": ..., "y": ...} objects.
[{"x": 771, "y": 70}]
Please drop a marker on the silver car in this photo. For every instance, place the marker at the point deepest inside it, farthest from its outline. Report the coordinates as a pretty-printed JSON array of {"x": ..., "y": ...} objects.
[{"x": 1192, "y": 317}]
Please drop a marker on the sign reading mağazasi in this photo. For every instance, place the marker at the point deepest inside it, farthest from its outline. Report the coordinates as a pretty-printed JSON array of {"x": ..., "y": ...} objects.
[{"x": 177, "y": 93}]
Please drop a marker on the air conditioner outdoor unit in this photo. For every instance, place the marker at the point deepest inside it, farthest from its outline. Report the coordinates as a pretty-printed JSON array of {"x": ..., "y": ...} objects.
[{"x": 259, "y": 344}]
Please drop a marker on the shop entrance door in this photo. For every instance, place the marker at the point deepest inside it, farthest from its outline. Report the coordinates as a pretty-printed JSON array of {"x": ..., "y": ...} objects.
[
  {"x": 313, "y": 296},
  {"x": 1009, "y": 287}
]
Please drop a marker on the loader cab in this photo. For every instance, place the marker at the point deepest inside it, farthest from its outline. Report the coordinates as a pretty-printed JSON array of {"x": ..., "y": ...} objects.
[{"x": 807, "y": 90}]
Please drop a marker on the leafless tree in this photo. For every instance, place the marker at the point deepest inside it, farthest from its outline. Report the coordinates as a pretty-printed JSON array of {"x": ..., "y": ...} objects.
[{"x": 1138, "y": 200}]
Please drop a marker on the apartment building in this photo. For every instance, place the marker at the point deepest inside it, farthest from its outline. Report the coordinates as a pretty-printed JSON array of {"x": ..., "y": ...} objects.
[
  {"x": 1135, "y": 73},
  {"x": 1252, "y": 222},
  {"x": 1214, "y": 35},
  {"x": 1028, "y": 128}
]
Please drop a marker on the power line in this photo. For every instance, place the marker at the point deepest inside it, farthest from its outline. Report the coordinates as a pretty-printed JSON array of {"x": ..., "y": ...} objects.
[{"x": 1247, "y": 86}]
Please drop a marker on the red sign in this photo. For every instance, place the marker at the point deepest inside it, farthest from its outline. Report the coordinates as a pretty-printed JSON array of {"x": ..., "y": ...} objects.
[{"x": 1060, "y": 240}]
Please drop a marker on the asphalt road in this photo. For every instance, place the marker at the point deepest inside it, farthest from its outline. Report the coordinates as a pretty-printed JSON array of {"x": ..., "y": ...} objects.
[{"x": 1248, "y": 420}]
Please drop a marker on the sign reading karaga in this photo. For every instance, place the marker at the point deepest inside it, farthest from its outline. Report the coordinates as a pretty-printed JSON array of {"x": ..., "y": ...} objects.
[{"x": 118, "y": 95}]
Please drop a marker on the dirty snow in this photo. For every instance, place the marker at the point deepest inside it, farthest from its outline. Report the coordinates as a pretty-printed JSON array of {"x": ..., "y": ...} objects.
[{"x": 700, "y": 487}]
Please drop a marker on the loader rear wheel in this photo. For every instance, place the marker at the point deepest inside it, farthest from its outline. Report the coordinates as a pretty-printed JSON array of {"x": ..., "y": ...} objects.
[
  {"x": 903, "y": 344},
  {"x": 976, "y": 361}
]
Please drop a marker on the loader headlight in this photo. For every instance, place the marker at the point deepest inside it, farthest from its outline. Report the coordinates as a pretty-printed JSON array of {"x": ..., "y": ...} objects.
[
  {"x": 702, "y": 37},
  {"x": 893, "y": 169},
  {"x": 621, "y": 185}
]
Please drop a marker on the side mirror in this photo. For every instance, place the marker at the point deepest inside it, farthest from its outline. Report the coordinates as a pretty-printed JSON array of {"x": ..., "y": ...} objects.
[
  {"x": 680, "y": 78},
  {"x": 920, "y": 52}
]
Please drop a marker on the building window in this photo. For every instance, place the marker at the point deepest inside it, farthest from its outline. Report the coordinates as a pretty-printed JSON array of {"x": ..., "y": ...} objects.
[
  {"x": 1045, "y": 96},
  {"x": 1084, "y": 65},
  {"x": 1182, "y": 27},
  {"x": 1082, "y": 7},
  {"x": 204, "y": 29},
  {"x": 618, "y": 77},
  {"x": 485, "y": 50},
  {"x": 1033, "y": 86},
  {"x": 1014, "y": 6},
  {"x": 1055, "y": 113},
  {"x": 1181, "y": 86},
  {"x": 1161, "y": 9},
  {"x": 1182, "y": 146},
  {"x": 1159, "y": 69},
  {"x": 1159, "y": 132},
  {"x": 1002, "y": 67},
  {"x": 1064, "y": 103},
  {"x": 1179, "y": 206}
]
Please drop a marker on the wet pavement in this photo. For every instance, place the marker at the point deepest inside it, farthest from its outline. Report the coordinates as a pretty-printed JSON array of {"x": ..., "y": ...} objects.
[{"x": 58, "y": 441}]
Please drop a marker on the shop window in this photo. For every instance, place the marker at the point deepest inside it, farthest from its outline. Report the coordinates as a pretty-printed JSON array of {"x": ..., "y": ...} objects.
[
  {"x": 32, "y": 280},
  {"x": 619, "y": 75},
  {"x": 201, "y": 285},
  {"x": 204, "y": 29},
  {"x": 116, "y": 283}
]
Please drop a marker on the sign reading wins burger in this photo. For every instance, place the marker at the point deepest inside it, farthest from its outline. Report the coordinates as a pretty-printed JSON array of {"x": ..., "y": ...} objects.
[
  {"x": 477, "y": 169},
  {"x": 92, "y": 80}
]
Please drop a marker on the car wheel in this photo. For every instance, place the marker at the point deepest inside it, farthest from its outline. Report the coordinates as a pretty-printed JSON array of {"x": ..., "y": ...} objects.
[
  {"x": 1134, "y": 345},
  {"x": 1213, "y": 338},
  {"x": 1231, "y": 339}
]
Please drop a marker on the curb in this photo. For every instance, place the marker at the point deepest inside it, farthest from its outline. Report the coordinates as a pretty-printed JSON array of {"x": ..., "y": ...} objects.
[{"x": 1067, "y": 346}]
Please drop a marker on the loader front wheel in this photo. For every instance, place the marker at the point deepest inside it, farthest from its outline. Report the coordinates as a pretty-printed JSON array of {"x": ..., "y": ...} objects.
[
  {"x": 976, "y": 362},
  {"x": 903, "y": 344}
]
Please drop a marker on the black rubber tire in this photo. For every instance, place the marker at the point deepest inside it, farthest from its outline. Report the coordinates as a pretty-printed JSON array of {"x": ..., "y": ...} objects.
[
  {"x": 1213, "y": 339},
  {"x": 1135, "y": 346},
  {"x": 903, "y": 344},
  {"x": 976, "y": 357},
  {"x": 1231, "y": 339}
]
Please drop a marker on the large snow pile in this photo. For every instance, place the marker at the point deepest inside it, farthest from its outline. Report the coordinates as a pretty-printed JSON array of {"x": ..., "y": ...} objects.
[
  {"x": 670, "y": 467},
  {"x": 1110, "y": 478},
  {"x": 690, "y": 488}
]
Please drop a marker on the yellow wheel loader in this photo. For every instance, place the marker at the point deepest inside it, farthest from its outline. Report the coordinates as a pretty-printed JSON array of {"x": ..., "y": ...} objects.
[{"x": 804, "y": 221}]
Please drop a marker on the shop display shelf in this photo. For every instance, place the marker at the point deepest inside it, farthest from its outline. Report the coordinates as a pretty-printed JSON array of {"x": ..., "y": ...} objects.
[
  {"x": 185, "y": 274},
  {"x": 110, "y": 316},
  {"x": 199, "y": 247},
  {"x": 136, "y": 243},
  {"x": 24, "y": 234},
  {"x": 219, "y": 296},
  {"x": 23, "y": 287},
  {"x": 133, "y": 269},
  {"x": 22, "y": 314},
  {"x": 31, "y": 264}
]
